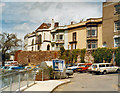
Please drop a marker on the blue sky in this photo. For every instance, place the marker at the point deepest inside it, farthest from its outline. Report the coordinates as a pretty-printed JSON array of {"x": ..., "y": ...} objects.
[{"x": 24, "y": 17}]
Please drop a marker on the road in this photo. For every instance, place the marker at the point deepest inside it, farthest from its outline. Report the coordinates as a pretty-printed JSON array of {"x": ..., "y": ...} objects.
[{"x": 90, "y": 82}]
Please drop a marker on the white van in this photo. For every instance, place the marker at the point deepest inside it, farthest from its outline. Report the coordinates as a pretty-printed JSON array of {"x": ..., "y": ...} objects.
[{"x": 103, "y": 68}]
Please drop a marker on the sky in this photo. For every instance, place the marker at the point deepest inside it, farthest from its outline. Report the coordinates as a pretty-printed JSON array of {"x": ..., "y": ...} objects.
[{"x": 22, "y": 17}]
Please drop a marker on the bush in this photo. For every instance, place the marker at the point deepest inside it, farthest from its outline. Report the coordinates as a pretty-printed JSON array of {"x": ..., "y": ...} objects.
[
  {"x": 51, "y": 73},
  {"x": 101, "y": 54},
  {"x": 117, "y": 56},
  {"x": 82, "y": 55},
  {"x": 75, "y": 53}
]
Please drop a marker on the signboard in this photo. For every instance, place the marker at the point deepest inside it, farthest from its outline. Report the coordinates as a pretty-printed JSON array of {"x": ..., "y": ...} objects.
[{"x": 58, "y": 65}]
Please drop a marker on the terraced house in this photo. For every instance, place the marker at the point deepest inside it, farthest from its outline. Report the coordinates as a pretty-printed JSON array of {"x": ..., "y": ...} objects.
[
  {"x": 86, "y": 34},
  {"x": 111, "y": 24}
]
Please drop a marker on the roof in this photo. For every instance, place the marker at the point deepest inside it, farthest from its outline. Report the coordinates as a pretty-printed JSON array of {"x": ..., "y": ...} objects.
[
  {"x": 85, "y": 22},
  {"x": 44, "y": 26},
  {"x": 100, "y": 63}
]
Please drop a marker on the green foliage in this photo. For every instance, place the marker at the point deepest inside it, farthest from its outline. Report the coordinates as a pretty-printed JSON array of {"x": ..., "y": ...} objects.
[
  {"x": 102, "y": 54},
  {"x": 51, "y": 73},
  {"x": 82, "y": 55},
  {"x": 75, "y": 53},
  {"x": 62, "y": 50},
  {"x": 117, "y": 56},
  {"x": 71, "y": 55}
]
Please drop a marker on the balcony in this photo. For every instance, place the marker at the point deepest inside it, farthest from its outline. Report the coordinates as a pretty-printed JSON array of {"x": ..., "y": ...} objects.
[
  {"x": 59, "y": 41},
  {"x": 91, "y": 37}
]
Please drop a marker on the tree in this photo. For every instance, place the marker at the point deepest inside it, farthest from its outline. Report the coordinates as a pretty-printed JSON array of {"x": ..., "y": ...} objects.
[{"x": 8, "y": 42}]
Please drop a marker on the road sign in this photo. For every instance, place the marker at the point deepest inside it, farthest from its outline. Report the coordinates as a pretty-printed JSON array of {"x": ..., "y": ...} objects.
[{"x": 58, "y": 65}]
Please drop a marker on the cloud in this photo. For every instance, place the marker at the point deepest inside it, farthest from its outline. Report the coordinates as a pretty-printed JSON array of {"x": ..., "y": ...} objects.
[
  {"x": 25, "y": 17},
  {"x": 22, "y": 27}
]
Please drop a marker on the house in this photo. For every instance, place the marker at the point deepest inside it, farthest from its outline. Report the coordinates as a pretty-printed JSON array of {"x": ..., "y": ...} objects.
[
  {"x": 111, "y": 24},
  {"x": 86, "y": 34},
  {"x": 59, "y": 37},
  {"x": 40, "y": 39}
]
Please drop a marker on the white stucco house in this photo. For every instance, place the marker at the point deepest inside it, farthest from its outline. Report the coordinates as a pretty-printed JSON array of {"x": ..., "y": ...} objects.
[
  {"x": 59, "y": 37},
  {"x": 47, "y": 37}
]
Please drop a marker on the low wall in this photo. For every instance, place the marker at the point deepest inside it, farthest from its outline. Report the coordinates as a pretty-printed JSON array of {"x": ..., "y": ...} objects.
[{"x": 36, "y": 57}]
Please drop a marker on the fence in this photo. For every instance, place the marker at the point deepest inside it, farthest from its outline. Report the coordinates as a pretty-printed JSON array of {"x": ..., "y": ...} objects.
[{"x": 15, "y": 81}]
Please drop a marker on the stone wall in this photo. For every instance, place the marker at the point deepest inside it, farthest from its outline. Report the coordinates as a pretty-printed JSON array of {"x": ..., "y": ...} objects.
[{"x": 36, "y": 57}]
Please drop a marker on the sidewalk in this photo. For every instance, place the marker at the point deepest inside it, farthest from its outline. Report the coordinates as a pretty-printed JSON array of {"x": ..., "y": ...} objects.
[{"x": 49, "y": 85}]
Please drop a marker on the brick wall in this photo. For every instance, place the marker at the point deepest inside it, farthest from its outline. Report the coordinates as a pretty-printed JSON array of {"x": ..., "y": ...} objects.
[{"x": 36, "y": 57}]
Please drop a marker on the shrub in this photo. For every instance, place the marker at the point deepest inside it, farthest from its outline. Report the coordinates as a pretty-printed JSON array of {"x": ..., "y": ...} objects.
[
  {"x": 51, "y": 73},
  {"x": 117, "y": 56},
  {"x": 101, "y": 54},
  {"x": 82, "y": 55}
]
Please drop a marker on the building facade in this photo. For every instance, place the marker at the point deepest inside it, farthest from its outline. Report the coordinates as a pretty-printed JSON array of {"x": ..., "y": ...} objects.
[
  {"x": 111, "y": 24},
  {"x": 86, "y": 34},
  {"x": 40, "y": 39},
  {"x": 59, "y": 38}
]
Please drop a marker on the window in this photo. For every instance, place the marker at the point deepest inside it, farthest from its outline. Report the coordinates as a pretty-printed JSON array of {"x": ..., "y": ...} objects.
[
  {"x": 48, "y": 47},
  {"x": 92, "y": 44},
  {"x": 74, "y": 46},
  {"x": 59, "y": 37},
  {"x": 107, "y": 65},
  {"x": 117, "y": 42},
  {"x": 91, "y": 31},
  {"x": 117, "y": 26},
  {"x": 32, "y": 41},
  {"x": 74, "y": 36},
  {"x": 53, "y": 36},
  {"x": 117, "y": 9},
  {"x": 101, "y": 65},
  {"x": 40, "y": 39},
  {"x": 38, "y": 47},
  {"x": 44, "y": 36}
]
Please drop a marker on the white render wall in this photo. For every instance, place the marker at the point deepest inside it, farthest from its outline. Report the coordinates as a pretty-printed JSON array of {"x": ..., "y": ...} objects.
[{"x": 66, "y": 40}]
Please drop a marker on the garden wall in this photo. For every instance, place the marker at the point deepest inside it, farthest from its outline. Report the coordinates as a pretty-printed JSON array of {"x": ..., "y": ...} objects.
[{"x": 35, "y": 57}]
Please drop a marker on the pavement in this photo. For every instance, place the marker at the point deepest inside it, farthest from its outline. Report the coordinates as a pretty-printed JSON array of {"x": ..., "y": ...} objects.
[
  {"x": 48, "y": 85},
  {"x": 90, "y": 82}
]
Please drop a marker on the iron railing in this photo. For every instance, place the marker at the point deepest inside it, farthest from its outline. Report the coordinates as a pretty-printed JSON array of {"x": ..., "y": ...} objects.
[{"x": 16, "y": 80}]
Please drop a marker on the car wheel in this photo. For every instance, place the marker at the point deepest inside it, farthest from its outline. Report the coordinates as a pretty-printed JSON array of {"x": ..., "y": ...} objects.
[
  {"x": 74, "y": 71},
  {"x": 117, "y": 71},
  {"x": 104, "y": 72}
]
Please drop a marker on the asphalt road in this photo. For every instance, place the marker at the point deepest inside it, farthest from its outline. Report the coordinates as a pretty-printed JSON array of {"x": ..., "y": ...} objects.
[{"x": 90, "y": 82}]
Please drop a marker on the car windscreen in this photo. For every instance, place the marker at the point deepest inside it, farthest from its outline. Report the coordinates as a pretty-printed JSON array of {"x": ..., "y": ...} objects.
[
  {"x": 83, "y": 66},
  {"x": 94, "y": 66}
]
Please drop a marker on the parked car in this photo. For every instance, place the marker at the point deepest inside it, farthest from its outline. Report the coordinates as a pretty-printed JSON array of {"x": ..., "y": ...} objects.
[
  {"x": 103, "y": 68},
  {"x": 74, "y": 68},
  {"x": 69, "y": 72},
  {"x": 84, "y": 67},
  {"x": 10, "y": 68}
]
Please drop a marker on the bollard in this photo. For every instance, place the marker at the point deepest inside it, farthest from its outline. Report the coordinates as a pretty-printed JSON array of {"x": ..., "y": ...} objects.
[
  {"x": 19, "y": 81},
  {"x": 34, "y": 76},
  {"x": 27, "y": 78},
  {"x": 10, "y": 83}
]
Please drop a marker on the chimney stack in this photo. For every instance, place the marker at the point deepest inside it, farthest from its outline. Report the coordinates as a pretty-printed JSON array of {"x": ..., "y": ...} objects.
[
  {"x": 56, "y": 24},
  {"x": 52, "y": 24},
  {"x": 72, "y": 22}
]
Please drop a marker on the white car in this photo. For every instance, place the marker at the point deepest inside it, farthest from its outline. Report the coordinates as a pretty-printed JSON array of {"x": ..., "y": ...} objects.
[{"x": 103, "y": 68}]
